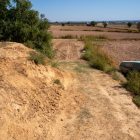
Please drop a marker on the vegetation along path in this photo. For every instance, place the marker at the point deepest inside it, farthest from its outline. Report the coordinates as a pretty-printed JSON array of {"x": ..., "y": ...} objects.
[{"x": 108, "y": 112}]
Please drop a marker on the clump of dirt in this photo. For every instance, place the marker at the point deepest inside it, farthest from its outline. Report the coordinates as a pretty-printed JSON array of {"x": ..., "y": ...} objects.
[{"x": 32, "y": 105}]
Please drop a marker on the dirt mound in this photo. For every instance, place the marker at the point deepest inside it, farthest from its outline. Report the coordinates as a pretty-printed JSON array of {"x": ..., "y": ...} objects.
[{"x": 32, "y": 105}]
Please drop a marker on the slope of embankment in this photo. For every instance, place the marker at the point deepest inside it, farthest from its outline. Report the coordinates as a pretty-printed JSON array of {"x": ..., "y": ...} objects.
[{"x": 32, "y": 105}]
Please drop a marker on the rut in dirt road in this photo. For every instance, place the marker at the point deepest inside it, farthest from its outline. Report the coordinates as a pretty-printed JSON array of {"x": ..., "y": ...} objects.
[{"x": 67, "y": 49}]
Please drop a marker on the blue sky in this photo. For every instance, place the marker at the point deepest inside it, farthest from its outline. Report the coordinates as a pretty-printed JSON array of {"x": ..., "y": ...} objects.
[{"x": 88, "y": 10}]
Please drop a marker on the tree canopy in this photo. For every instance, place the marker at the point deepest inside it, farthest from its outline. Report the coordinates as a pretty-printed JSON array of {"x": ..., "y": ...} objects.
[
  {"x": 129, "y": 24},
  {"x": 19, "y": 23},
  {"x": 93, "y": 23}
]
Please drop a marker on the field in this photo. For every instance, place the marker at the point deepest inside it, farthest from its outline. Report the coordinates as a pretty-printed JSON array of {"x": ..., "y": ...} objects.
[{"x": 59, "y": 30}]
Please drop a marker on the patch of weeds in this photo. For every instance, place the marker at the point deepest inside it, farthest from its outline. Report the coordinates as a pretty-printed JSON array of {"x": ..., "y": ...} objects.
[
  {"x": 133, "y": 85},
  {"x": 99, "y": 30},
  {"x": 66, "y": 30},
  {"x": 103, "y": 37},
  {"x": 63, "y": 63},
  {"x": 136, "y": 39},
  {"x": 133, "y": 82},
  {"x": 30, "y": 44},
  {"x": 68, "y": 37},
  {"x": 54, "y": 64},
  {"x": 37, "y": 57},
  {"x": 85, "y": 113},
  {"x": 116, "y": 75},
  {"x": 79, "y": 70},
  {"x": 70, "y": 117},
  {"x": 82, "y": 65},
  {"x": 57, "y": 81},
  {"x": 136, "y": 100}
]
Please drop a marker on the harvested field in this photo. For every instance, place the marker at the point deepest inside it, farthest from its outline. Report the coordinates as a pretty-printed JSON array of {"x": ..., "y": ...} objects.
[
  {"x": 123, "y": 50},
  {"x": 78, "y": 31}
]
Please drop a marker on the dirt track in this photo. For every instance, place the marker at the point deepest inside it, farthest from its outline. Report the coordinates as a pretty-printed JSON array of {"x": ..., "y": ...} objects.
[
  {"x": 68, "y": 49},
  {"x": 109, "y": 112}
]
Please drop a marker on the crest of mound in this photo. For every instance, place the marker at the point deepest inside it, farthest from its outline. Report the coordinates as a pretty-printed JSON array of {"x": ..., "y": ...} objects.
[{"x": 30, "y": 100}]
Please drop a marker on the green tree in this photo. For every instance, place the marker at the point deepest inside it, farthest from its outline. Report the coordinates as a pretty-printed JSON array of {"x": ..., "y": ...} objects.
[
  {"x": 93, "y": 23},
  {"x": 20, "y": 23},
  {"x": 105, "y": 24},
  {"x": 138, "y": 26},
  {"x": 129, "y": 24}
]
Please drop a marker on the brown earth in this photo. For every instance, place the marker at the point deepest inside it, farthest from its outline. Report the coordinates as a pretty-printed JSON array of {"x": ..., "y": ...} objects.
[
  {"x": 88, "y": 104},
  {"x": 78, "y": 31},
  {"x": 123, "y": 50}
]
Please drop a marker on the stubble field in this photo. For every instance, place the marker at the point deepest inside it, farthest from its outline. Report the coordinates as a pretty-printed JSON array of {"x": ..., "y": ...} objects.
[{"x": 58, "y": 30}]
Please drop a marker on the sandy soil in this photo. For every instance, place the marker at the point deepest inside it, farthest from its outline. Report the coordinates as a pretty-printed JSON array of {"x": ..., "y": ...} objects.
[{"x": 78, "y": 31}]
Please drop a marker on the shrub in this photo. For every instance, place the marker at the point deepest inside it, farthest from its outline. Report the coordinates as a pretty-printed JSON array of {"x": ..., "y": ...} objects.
[
  {"x": 129, "y": 24},
  {"x": 103, "y": 37},
  {"x": 136, "y": 100},
  {"x": 63, "y": 24},
  {"x": 97, "y": 58},
  {"x": 57, "y": 81},
  {"x": 25, "y": 26},
  {"x": 133, "y": 82},
  {"x": 105, "y": 24},
  {"x": 138, "y": 26},
  {"x": 68, "y": 37},
  {"x": 66, "y": 30},
  {"x": 37, "y": 57},
  {"x": 54, "y": 64},
  {"x": 29, "y": 44},
  {"x": 93, "y": 23}
]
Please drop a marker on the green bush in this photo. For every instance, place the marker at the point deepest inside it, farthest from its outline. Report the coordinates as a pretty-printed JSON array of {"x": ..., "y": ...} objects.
[
  {"x": 93, "y": 23},
  {"x": 29, "y": 44},
  {"x": 68, "y": 37},
  {"x": 138, "y": 26},
  {"x": 136, "y": 100},
  {"x": 63, "y": 24},
  {"x": 37, "y": 57},
  {"x": 22, "y": 24},
  {"x": 105, "y": 24},
  {"x": 129, "y": 24},
  {"x": 103, "y": 37},
  {"x": 57, "y": 81},
  {"x": 133, "y": 82},
  {"x": 97, "y": 58}
]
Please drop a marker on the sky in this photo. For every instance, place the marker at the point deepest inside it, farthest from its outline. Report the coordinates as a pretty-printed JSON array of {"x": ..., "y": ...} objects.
[{"x": 88, "y": 10}]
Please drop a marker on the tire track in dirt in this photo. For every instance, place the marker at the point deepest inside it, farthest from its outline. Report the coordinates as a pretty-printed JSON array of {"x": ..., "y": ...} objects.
[{"x": 67, "y": 49}]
